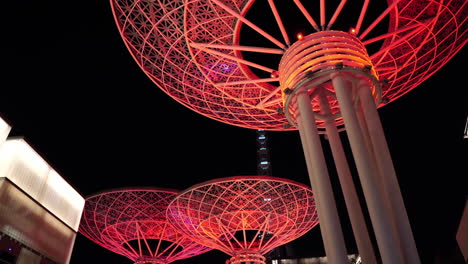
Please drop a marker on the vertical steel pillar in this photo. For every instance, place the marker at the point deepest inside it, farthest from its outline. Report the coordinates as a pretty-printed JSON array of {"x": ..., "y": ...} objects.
[
  {"x": 388, "y": 176},
  {"x": 361, "y": 234},
  {"x": 318, "y": 173},
  {"x": 386, "y": 238}
]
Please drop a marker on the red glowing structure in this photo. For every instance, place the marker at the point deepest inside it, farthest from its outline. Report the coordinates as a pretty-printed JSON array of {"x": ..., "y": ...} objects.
[
  {"x": 244, "y": 216},
  {"x": 238, "y": 63},
  {"x": 196, "y": 50},
  {"x": 132, "y": 222}
]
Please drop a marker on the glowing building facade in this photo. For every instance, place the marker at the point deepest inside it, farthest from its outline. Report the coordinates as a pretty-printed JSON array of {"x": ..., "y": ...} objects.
[{"x": 39, "y": 211}]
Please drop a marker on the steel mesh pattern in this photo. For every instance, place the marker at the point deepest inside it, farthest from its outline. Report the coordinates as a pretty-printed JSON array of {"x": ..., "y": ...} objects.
[
  {"x": 191, "y": 49},
  {"x": 132, "y": 222},
  {"x": 244, "y": 214}
]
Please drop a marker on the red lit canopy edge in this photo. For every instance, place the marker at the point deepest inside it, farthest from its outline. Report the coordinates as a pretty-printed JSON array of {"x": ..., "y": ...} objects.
[
  {"x": 132, "y": 222},
  {"x": 244, "y": 216},
  {"x": 192, "y": 50}
]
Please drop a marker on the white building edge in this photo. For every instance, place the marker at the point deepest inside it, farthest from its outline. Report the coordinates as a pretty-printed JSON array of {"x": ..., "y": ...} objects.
[{"x": 39, "y": 211}]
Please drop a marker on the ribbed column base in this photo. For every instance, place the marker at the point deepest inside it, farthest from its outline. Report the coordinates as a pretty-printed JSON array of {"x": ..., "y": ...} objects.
[{"x": 247, "y": 258}]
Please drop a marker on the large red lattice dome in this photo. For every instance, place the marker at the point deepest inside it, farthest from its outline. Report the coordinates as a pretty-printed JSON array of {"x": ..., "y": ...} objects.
[
  {"x": 220, "y": 58},
  {"x": 132, "y": 222},
  {"x": 244, "y": 216}
]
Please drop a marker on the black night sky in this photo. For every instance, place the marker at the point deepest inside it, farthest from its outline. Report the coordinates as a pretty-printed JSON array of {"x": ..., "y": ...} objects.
[{"x": 74, "y": 92}]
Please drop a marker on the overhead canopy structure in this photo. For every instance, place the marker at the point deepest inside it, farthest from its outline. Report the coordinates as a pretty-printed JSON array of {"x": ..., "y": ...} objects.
[
  {"x": 220, "y": 58},
  {"x": 238, "y": 63},
  {"x": 244, "y": 216},
  {"x": 132, "y": 222}
]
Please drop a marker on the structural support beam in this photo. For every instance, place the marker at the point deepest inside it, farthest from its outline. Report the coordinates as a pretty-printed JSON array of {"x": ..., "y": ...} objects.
[
  {"x": 378, "y": 210},
  {"x": 326, "y": 207},
  {"x": 354, "y": 85},
  {"x": 358, "y": 223},
  {"x": 388, "y": 176}
]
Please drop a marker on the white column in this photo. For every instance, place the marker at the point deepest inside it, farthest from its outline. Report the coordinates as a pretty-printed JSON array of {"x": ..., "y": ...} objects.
[
  {"x": 318, "y": 173},
  {"x": 306, "y": 149},
  {"x": 361, "y": 234},
  {"x": 386, "y": 239},
  {"x": 389, "y": 179}
]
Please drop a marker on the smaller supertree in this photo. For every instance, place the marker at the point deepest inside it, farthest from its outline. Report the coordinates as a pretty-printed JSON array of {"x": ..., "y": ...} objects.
[
  {"x": 132, "y": 222},
  {"x": 244, "y": 216}
]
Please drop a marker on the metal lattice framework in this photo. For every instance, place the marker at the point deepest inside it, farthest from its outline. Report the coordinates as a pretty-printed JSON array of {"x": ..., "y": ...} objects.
[
  {"x": 204, "y": 54},
  {"x": 132, "y": 222},
  {"x": 244, "y": 216},
  {"x": 241, "y": 62}
]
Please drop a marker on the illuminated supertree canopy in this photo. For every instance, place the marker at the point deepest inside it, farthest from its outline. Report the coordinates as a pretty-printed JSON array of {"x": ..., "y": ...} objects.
[
  {"x": 132, "y": 222},
  {"x": 244, "y": 216},
  {"x": 318, "y": 67},
  {"x": 221, "y": 58}
]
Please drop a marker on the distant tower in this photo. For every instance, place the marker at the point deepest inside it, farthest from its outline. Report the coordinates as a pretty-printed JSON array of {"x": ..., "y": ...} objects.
[
  {"x": 263, "y": 154},
  {"x": 264, "y": 168}
]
